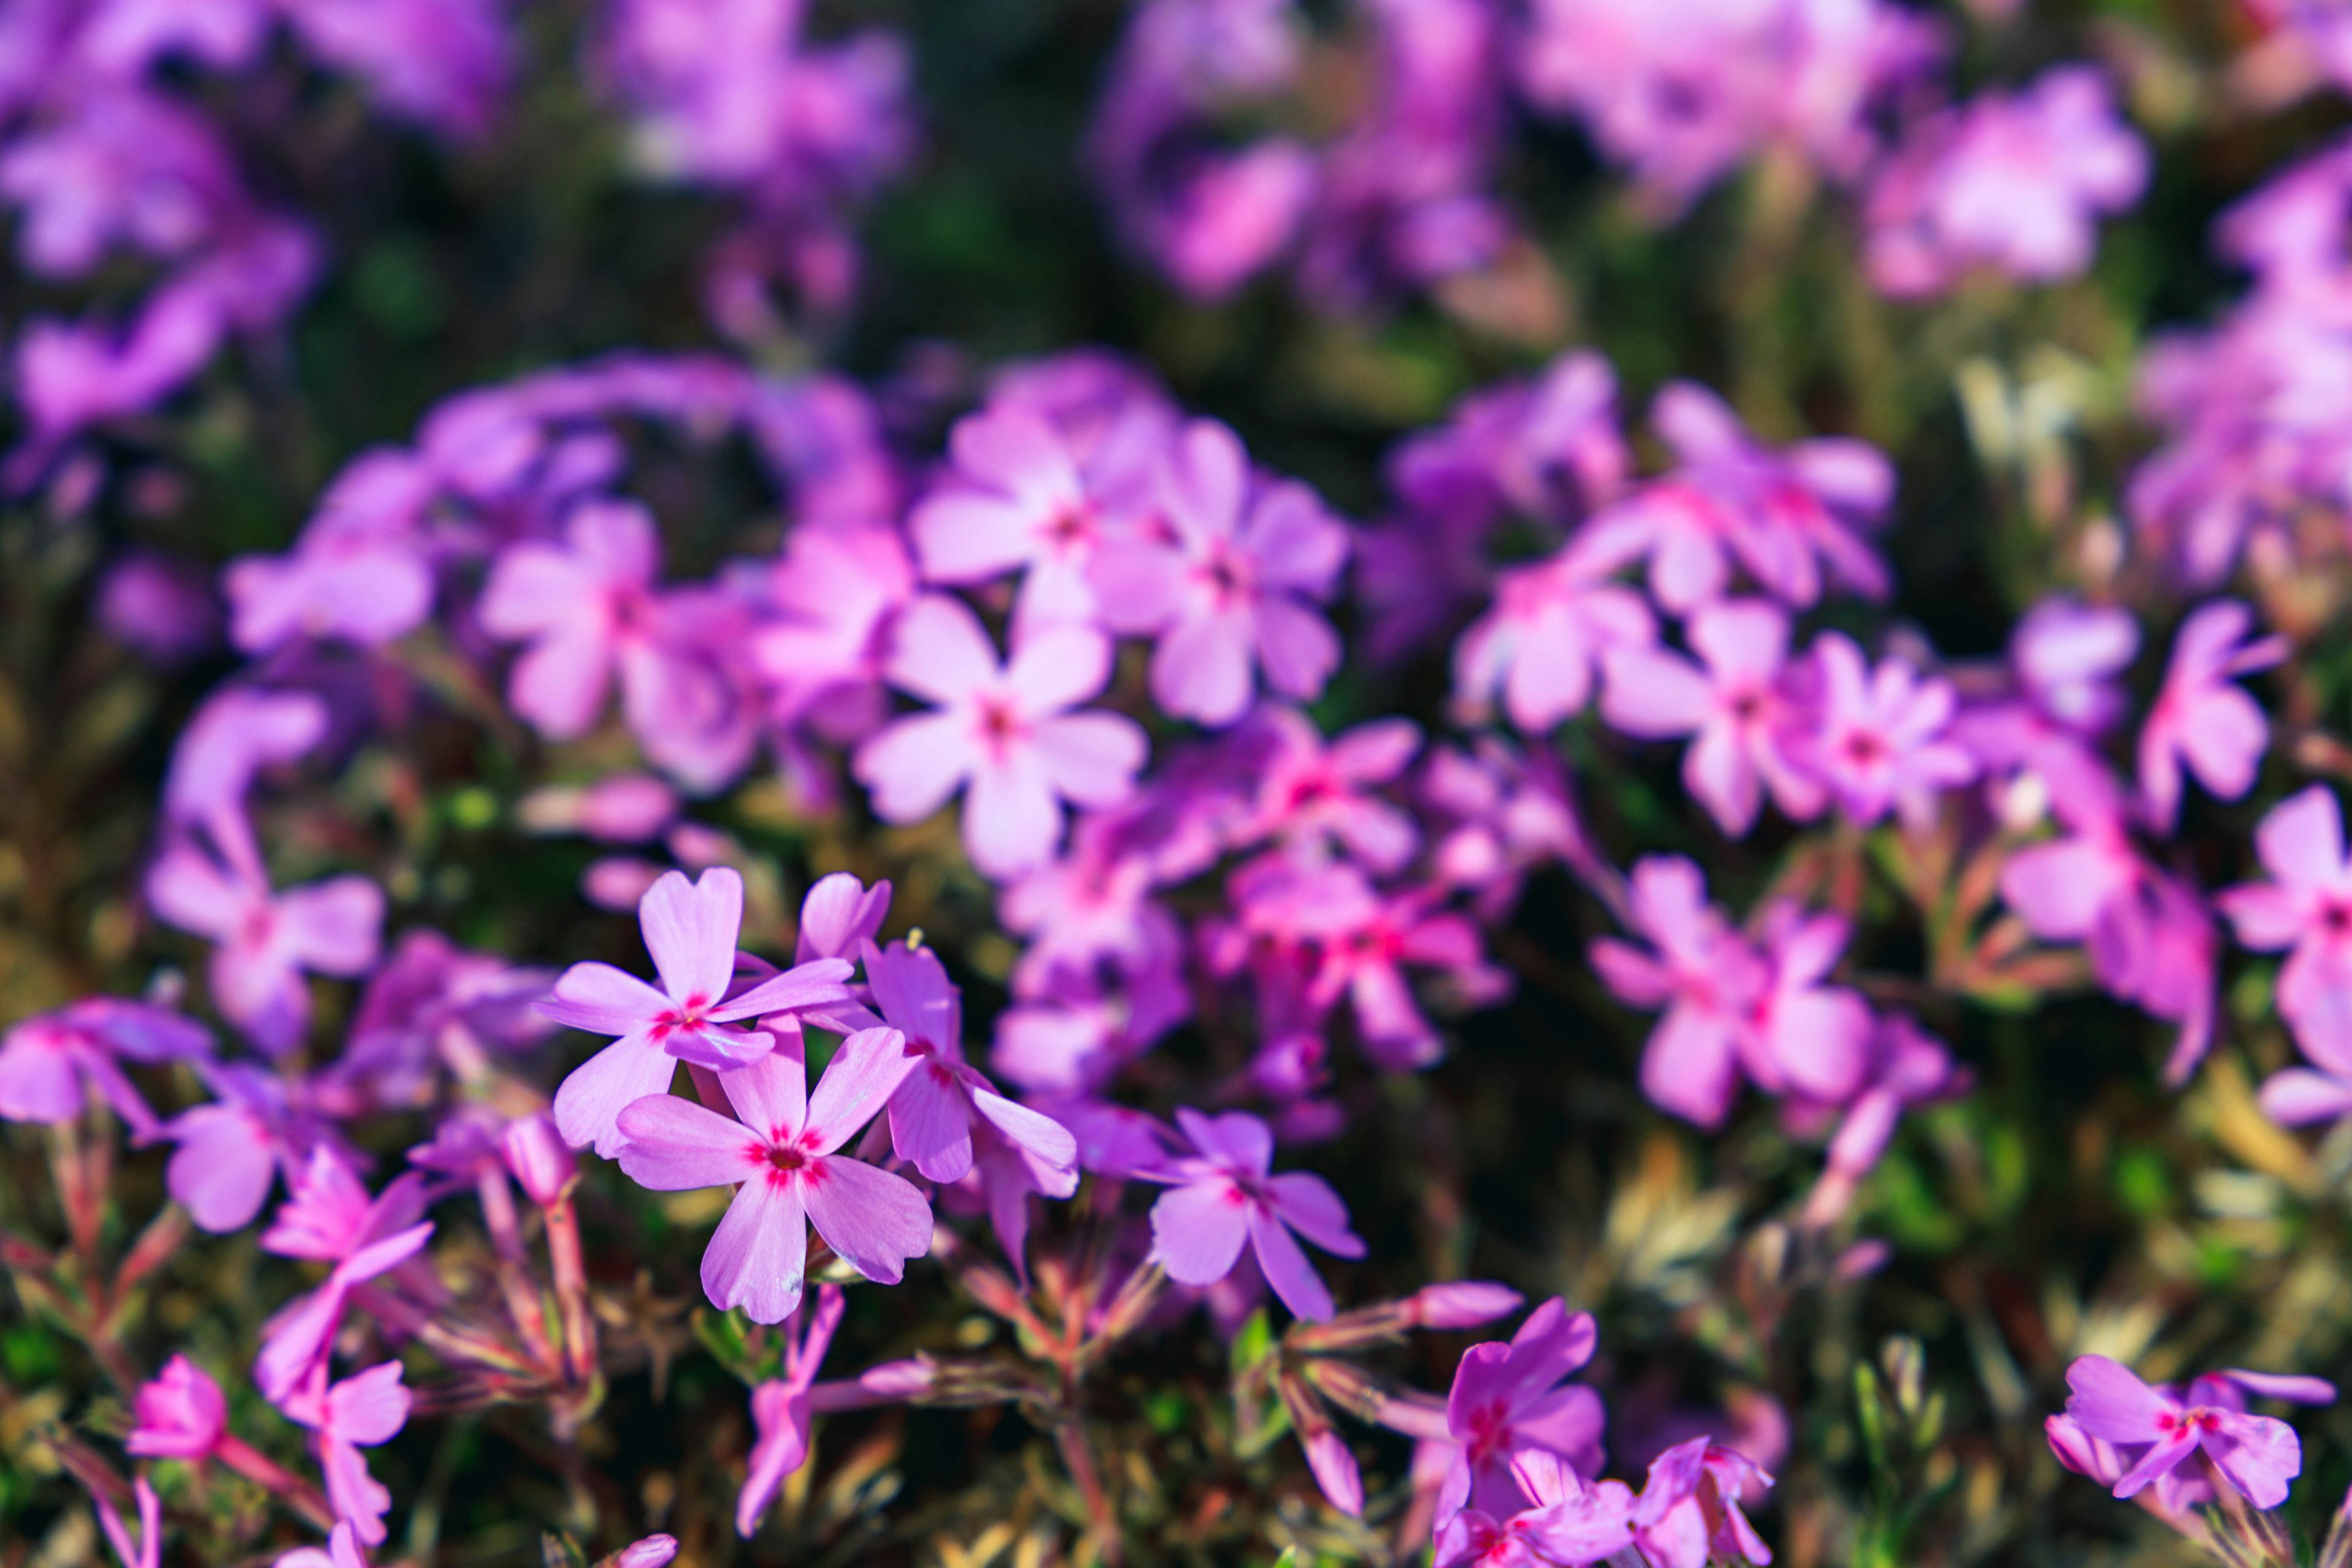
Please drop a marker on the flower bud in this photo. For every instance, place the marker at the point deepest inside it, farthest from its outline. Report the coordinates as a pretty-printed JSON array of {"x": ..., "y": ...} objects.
[
  {"x": 653, "y": 1552},
  {"x": 1335, "y": 1470},
  {"x": 179, "y": 1415},
  {"x": 1463, "y": 1304},
  {"x": 535, "y": 1151}
]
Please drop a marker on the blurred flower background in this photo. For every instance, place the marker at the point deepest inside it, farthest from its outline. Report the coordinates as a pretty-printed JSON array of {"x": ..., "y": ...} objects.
[{"x": 1606, "y": 737}]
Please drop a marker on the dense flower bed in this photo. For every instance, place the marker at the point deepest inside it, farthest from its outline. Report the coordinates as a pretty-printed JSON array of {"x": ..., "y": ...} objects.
[{"x": 1487, "y": 782}]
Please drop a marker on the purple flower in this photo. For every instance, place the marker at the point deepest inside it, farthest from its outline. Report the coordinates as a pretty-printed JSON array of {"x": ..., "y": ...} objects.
[
  {"x": 1705, "y": 977},
  {"x": 1308, "y": 791},
  {"x": 361, "y": 1411},
  {"x": 589, "y": 609},
  {"x": 781, "y": 1410},
  {"x": 265, "y": 940},
  {"x": 432, "y": 1003},
  {"x": 1221, "y": 1198},
  {"x": 690, "y": 929},
  {"x": 2306, "y": 906},
  {"x": 1005, "y": 730},
  {"x": 1734, "y": 709},
  {"x": 942, "y": 1099},
  {"x": 359, "y": 573},
  {"x": 236, "y": 734},
  {"x": 1230, "y": 587},
  {"x": 1570, "y": 1522},
  {"x": 342, "y": 1551},
  {"x": 1877, "y": 738},
  {"x": 784, "y": 1152},
  {"x": 1788, "y": 516},
  {"x": 1688, "y": 1513},
  {"x": 1511, "y": 1399},
  {"x": 1022, "y": 495},
  {"x": 51, "y": 1062},
  {"x": 2201, "y": 719},
  {"x": 1539, "y": 647},
  {"x": 2255, "y": 1454},
  {"x": 2014, "y": 180},
  {"x": 230, "y": 1150}
]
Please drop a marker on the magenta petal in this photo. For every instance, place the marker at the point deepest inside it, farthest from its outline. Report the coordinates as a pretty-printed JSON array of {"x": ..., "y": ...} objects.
[
  {"x": 1284, "y": 1263},
  {"x": 691, "y": 929},
  {"x": 930, "y": 1123},
  {"x": 602, "y": 1000},
  {"x": 2158, "y": 1462},
  {"x": 1308, "y": 1205},
  {"x": 2109, "y": 1401},
  {"x": 588, "y": 1103}
]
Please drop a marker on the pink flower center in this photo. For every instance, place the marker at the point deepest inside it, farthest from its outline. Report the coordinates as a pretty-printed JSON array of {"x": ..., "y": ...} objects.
[
  {"x": 1490, "y": 1432},
  {"x": 1000, "y": 725},
  {"x": 786, "y": 1157},
  {"x": 690, "y": 1017},
  {"x": 1865, "y": 749},
  {"x": 2200, "y": 1419}
]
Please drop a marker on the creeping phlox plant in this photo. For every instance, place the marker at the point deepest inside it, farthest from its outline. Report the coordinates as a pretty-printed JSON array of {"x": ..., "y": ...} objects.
[{"x": 1468, "y": 781}]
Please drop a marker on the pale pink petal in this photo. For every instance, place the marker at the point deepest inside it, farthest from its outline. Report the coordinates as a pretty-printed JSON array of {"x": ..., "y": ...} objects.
[
  {"x": 970, "y": 536},
  {"x": 671, "y": 1144},
  {"x": 603, "y": 1000},
  {"x": 2259, "y": 1454},
  {"x": 2299, "y": 1096},
  {"x": 690, "y": 929},
  {"x": 2301, "y": 841},
  {"x": 1203, "y": 480},
  {"x": 589, "y": 1103},
  {"x": 333, "y": 927},
  {"x": 1201, "y": 667},
  {"x": 1240, "y": 1139},
  {"x": 875, "y": 1220},
  {"x": 913, "y": 766},
  {"x": 1045, "y": 1140},
  {"x": 930, "y": 1123},
  {"x": 1654, "y": 692},
  {"x": 866, "y": 1071},
  {"x": 1296, "y": 646},
  {"x": 770, "y": 1094},
  {"x": 1058, "y": 669},
  {"x": 2109, "y": 1402},
  {"x": 1198, "y": 1231},
  {"x": 559, "y": 682},
  {"x": 1012, "y": 821},
  {"x": 1091, "y": 758},
  {"x": 369, "y": 1407},
  {"x": 758, "y": 1253},
  {"x": 940, "y": 651}
]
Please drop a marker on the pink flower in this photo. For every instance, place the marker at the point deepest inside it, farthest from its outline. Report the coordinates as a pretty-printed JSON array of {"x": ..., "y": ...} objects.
[
  {"x": 2255, "y": 1454},
  {"x": 1735, "y": 708},
  {"x": 329, "y": 1218},
  {"x": 1221, "y": 1197},
  {"x": 1877, "y": 737},
  {"x": 1230, "y": 588},
  {"x": 2202, "y": 721},
  {"x": 1512, "y": 1399},
  {"x": 265, "y": 941},
  {"x": 1688, "y": 1513},
  {"x": 1006, "y": 731},
  {"x": 1308, "y": 790},
  {"x": 1022, "y": 495},
  {"x": 1803, "y": 1038},
  {"x": 690, "y": 929},
  {"x": 781, "y": 1410},
  {"x": 785, "y": 1154},
  {"x": 179, "y": 1415},
  {"x": 1538, "y": 648},
  {"x": 361, "y": 1411},
  {"x": 839, "y": 915},
  {"x": 588, "y": 608},
  {"x": 1705, "y": 977},
  {"x": 2305, "y": 906}
]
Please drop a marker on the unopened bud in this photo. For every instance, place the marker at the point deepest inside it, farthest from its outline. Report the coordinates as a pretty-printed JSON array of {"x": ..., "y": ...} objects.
[
  {"x": 1464, "y": 1304},
  {"x": 535, "y": 1151},
  {"x": 653, "y": 1552},
  {"x": 1335, "y": 1470}
]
